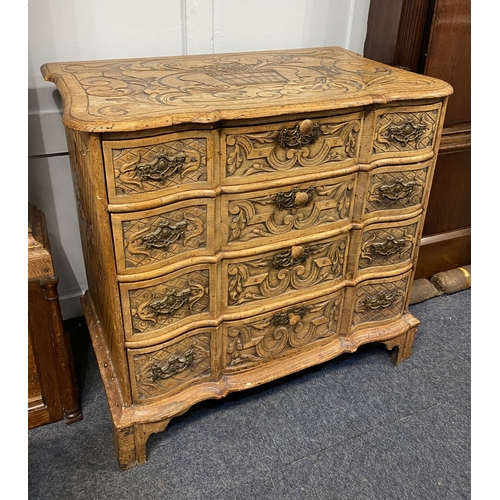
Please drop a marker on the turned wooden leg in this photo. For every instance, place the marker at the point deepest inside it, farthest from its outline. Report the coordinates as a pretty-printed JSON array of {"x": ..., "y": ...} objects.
[{"x": 402, "y": 345}]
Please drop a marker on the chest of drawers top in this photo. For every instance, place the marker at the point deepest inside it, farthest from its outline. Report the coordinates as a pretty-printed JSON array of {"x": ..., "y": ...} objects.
[{"x": 135, "y": 94}]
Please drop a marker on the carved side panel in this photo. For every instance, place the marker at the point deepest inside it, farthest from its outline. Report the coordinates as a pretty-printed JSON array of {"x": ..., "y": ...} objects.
[
  {"x": 386, "y": 246},
  {"x": 169, "y": 368},
  {"x": 405, "y": 131},
  {"x": 277, "y": 334},
  {"x": 146, "y": 167},
  {"x": 281, "y": 147},
  {"x": 395, "y": 190},
  {"x": 379, "y": 301},
  {"x": 293, "y": 269},
  {"x": 169, "y": 302},
  {"x": 291, "y": 210},
  {"x": 158, "y": 238}
]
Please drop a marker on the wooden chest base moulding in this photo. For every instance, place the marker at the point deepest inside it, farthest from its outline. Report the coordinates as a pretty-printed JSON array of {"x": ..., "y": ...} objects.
[{"x": 243, "y": 217}]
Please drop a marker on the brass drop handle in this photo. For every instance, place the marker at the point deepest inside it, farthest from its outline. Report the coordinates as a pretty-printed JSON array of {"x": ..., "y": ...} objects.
[
  {"x": 296, "y": 198},
  {"x": 303, "y": 134},
  {"x": 295, "y": 255},
  {"x": 162, "y": 167}
]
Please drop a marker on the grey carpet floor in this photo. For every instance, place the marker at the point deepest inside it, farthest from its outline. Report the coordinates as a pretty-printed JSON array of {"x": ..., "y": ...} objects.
[{"x": 355, "y": 428}]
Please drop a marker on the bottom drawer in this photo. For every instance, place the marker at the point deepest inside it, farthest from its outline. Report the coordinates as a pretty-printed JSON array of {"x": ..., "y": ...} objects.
[
  {"x": 379, "y": 300},
  {"x": 288, "y": 331},
  {"x": 166, "y": 368}
]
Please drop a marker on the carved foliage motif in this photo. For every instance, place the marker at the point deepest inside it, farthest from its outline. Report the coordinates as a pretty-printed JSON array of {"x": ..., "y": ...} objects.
[
  {"x": 273, "y": 215},
  {"x": 280, "y": 333},
  {"x": 219, "y": 81},
  {"x": 258, "y": 153},
  {"x": 379, "y": 302},
  {"x": 149, "y": 168},
  {"x": 382, "y": 247},
  {"x": 153, "y": 239},
  {"x": 289, "y": 270},
  {"x": 159, "y": 372},
  {"x": 164, "y": 305},
  {"x": 401, "y": 132},
  {"x": 396, "y": 190}
]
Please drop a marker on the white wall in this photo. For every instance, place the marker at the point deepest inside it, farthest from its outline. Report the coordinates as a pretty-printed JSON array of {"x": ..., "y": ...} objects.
[{"x": 69, "y": 30}]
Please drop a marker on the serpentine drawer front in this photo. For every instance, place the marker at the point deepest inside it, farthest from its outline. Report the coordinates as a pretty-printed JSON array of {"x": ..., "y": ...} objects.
[{"x": 243, "y": 217}]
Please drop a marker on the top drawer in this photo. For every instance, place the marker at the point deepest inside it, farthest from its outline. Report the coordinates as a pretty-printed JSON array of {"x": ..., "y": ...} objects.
[
  {"x": 405, "y": 130},
  {"x": 145, "y": 169},
  {"x": 251, "y": 154}
]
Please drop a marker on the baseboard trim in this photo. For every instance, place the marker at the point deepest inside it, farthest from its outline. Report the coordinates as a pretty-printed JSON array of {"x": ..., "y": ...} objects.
[{"x": 442, "y": 252}]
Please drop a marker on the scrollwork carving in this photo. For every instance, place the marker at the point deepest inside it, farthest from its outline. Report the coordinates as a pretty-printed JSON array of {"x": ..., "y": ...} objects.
[
  {"x": 151, "y": 167},
  {"x": 256, "y": 153},
  {"x": 168, "y": 368},
  {"x": 282, "y": 332},
  {"x": 296, "y": 210},
  {"x": 153, "y": 239},
  {"x": 165, "y": 304},
  {"x": 295, "y": 269}
]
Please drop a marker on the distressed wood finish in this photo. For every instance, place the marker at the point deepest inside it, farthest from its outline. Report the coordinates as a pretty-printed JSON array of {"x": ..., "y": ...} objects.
[{"x": 243, "y": 217}]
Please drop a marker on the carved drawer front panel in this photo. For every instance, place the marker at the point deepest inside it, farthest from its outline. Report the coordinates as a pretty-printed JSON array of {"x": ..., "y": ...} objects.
[
  {"x": 405, "y": 130},
  {"x": 144, "y": 169},
  {"x": 389, "y": 244},
  {"x": 257, "y": 340},
  {"x": 291, "y": 270},
  {"x": 250, "y": 154},
  {"x": 279, "y": 214},
  {"x": 169, "y": 367},
  {"x": 379, "y": 300},
  {"x": 401, "y": 189},
  {"x": 155, "y": 238},
  {"x": 165, "y": 304}
]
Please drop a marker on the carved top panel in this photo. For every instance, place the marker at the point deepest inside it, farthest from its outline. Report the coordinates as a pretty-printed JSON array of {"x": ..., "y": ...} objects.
[{"x": 124, "y": 95}]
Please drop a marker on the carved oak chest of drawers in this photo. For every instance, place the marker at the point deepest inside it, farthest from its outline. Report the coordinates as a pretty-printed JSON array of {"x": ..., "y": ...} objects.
[{"x": 243, "y": 217}]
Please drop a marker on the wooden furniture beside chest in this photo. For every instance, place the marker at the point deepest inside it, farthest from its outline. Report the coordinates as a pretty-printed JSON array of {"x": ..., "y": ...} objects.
[
  {"x": 433, "y": 37},
  {"x": 52, "y": 387},
  {"x": 243, "y": 217}
]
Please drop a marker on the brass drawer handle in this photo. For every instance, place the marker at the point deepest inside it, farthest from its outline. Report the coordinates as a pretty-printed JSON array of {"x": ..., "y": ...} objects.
[
  {"x": 172, "y": 366},
  {"x": 406, "y": 132},
  {"x": 166, "y": 234},
  {"x": 302, "y": 135},
  {"x": 390, "y": 246},
  {"x": 380, "y": 301},
  {"x": 293, "y": 256},
  {"x": 294, "y": 199},
  {"x": 162, "y": 167},
  {"x": 289, "y": 317},
  {"x": 172, "y": 301},
  {"x": 397, "y": 189}
]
